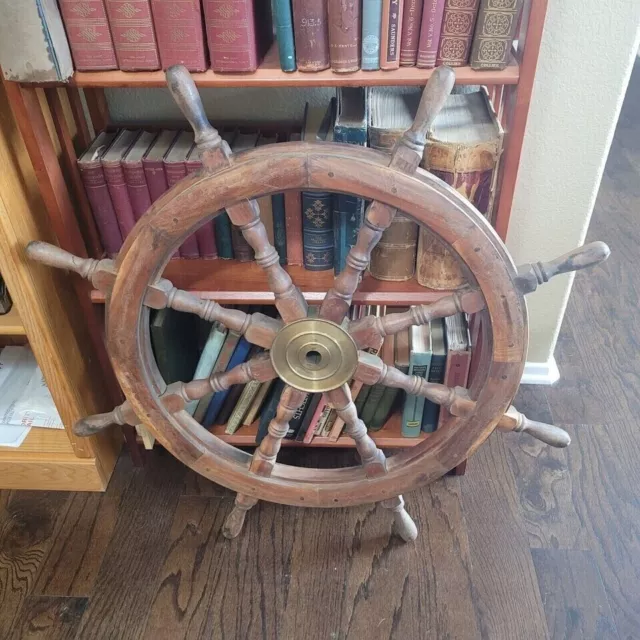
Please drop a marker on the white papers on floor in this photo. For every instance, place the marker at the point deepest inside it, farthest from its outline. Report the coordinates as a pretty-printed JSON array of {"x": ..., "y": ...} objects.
[{"x": 25, "y": 400}]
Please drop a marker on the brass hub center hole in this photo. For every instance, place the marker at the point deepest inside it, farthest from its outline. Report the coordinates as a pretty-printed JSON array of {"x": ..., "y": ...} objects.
[{"x": 313, "y": 357}]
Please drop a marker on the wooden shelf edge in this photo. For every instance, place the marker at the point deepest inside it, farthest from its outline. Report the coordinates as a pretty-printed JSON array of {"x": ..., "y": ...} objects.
[{"x": 11, "y": 324}]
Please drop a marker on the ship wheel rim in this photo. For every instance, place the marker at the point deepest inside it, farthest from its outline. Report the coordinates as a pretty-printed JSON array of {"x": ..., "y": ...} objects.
[{"x": 321, "y": 167}]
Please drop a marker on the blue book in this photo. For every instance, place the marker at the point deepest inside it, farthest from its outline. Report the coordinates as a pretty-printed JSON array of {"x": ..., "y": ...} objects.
[
  {"x": 222, "y": 226},
  {"x": 419, "y": 363},
  {"x": 269, "y": 409},
  {"x": 431, "y": 411},
  {"x": 283, "y": 22},
  {"x": 279, "y": 226},
  {"x": 371, "y": 27},
  {"x": 240, "y": 354}
]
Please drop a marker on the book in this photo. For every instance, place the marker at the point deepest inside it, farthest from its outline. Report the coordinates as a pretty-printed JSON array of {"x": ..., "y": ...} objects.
[
  {"x": 458, "y": 22},
  {"x": 283, "y": 25},
  {"x": 419, "y": 362},
  {"x": 430, "y": 28},
  {"x": 257, "y": 403},
  {"x": 269, "y": 409},
  {"x": 88, "y": 33},
  {"x": 205, "y": 235},
  {"x": 230, "y": 402},
  {"x": 410, "y": 35},
  {"x": 279, "y": 226},
  {"x": 293, "y": 221},
  {"x": 153, "y": 164},
  {"x": 431, "y": 411},
  {"x": 494, "y": 33},
  {"x": 458, "y": 344},
  {"x": 344, "y": 35},
  {"x": 33, "y": 44},
  {"x": 392, "y": 112},
  {"x": 371, "y": 25},
  {"x": 463, "y": 149},
  {"x": 222, "y": 223},
  {"x": 95, "y": 185},
  {"x": 239, "y": 33},
  {"x": 139, "y": 196},
  {"x": 311, "y": 33},
  {"x": 376, "y": 394},
  {"x": 348, "y": 210},
  {"x": 133, "y": 35},
  {"x": 392, "y": 11},
  {"x": 175, "y": 168},
  {"x": 265, "y": 203},
  {"x": 390, "y": 395},
  {"x": 308, "y": 416},
  {"x": 309, "y": 432},
  {"x": 298, "y": 417},
  {"x": 179, "y": 31},
  {"x": 249, "y": 392}
]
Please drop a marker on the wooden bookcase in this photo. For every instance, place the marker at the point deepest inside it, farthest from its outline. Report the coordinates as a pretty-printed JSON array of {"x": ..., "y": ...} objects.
[{"x": 54, "y": 128}]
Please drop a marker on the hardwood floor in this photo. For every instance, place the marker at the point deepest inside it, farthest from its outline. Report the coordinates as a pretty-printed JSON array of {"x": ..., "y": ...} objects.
[{"x": 532, "y": 543}]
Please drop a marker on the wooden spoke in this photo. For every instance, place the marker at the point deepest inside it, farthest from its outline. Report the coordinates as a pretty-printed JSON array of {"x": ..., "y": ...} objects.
[
  {"x": 370, "y": 330},
  {"x": 178, "y": 394},
  {"x": 405, "y": 526},
  {"x": 406, "y": 157},
  {"x": 513, "y": 420}
]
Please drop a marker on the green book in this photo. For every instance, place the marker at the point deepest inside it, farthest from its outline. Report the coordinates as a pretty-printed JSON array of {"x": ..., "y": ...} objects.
[
  {"x": 419, "y": 363},
  {"x": 388, "y": 400},
  {"x": 378, "y": 391},
  {"x": 431, "y": 410}
]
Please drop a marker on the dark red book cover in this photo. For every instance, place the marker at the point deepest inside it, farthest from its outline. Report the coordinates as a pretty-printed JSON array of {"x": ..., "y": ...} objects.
[
  {"x": 180, "y": 33},
  {"x": 205, "y": 235},
  {"x": 139, "y": 195},
  {"x": 311, "y": 30},
  {"x": 153, "y": 163},
  {"x": 88, "y": 33},
  {"x": 239, "y": 33},
  {"x": 430, "y": 33},
  {"x": 410, "y": 36}
]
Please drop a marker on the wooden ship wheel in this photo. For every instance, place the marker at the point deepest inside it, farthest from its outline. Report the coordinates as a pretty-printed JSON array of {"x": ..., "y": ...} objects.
[{"x": 323, "y": 353}]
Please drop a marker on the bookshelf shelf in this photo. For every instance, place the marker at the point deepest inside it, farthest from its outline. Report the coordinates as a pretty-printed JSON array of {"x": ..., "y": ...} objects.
[{"x": 11, "y": 324}]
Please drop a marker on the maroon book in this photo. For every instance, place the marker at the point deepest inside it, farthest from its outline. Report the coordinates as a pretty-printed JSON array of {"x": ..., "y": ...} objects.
[
  {"x": 205, "y": 235},
  {"x": 311, "y": 31},
  {"x": 133, "y": 35},
  {"x": 114, "y": 175},
  {"x": 410, "y": 37},
  {"x": 153, "y": 164},
  {"x": 430, "y": 33},
  {"x": 90, "y": 166},
  {"x": 180, "y": 33},
  {"x": 239, "y": 33},
  {"x": 88, "y": 33},
  {"x": 175, "y": 168},
  {"x": 139, "y": 196}
]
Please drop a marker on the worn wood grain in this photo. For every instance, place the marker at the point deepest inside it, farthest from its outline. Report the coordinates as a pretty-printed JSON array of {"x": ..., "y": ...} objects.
[{"x": 49, "y": 618}]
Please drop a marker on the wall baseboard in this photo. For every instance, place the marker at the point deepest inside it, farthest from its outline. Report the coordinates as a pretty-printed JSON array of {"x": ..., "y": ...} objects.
[{"x": 541, "y": 372}]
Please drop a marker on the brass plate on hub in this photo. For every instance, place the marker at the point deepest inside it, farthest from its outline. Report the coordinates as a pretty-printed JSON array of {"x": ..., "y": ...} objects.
[{"x": 314, "y": 355}]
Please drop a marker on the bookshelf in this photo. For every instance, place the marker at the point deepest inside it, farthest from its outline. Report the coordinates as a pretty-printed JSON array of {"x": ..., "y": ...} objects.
[
  {"x": 52, "y": 122},
  {"x": 11, "y": 324}
]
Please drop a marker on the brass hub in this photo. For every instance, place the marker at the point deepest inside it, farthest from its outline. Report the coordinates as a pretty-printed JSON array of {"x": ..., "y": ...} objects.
[{"x": 314, "y": 355}]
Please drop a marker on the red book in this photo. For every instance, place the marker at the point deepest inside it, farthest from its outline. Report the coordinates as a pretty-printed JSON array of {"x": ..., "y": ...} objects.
[
  {"x": 239, "y": 33},
  {"x": 180, "y": 33},
  {"x": 411, "y": 19},
  {"x": 88, "y": 33},
  {"x": 315, "y": 419},
  {"x": 293, "y": 221},
  {"x": 205, "y": 235},
  {"x": 133, "y": 35},
  {"x": 430, "y": 33},
  {"x": 175, "y": 168},
  {"x": 90, "y": 166},
  {"x": 153, "y": 164},
  {"x": 114, "y": 175},
  {"x": 139, "y": 196}
]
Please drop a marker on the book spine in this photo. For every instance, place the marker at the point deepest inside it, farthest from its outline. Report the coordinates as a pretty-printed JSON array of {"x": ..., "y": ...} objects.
[
  {"x": 373, "y": 400},
  {"x": 344, "y": 35},
  {"x": 103, "y": 212},
  {"x": 133, "y": 35},
  {"x": 174, "y": 172},
  {"x": 269, "y": 410},
  {"x": 242, "y": 407},
  {"x": 317, "y": 230},
  {"x": 456, "y": 374},
  {"x": 430, "y": 33},
  {"x": 293, "y": 227},
  {"x": 458, "y": 22},
  {"x": 139, "y": 196},
  {"x": 279, "y": 226},
  {"x": 390, "y": 34},
  {"x": 242, "y": 250},
  {"x": 495, "y": 30},
  {"x": 311, "y": 34},
  {"x": 371, "y": 25},
  {"x": 298, "y": 417},
  {"x": 394, "y": 257},
  {"x": 384, "y": 409},
  {"x": 436, "y": 266},
  {"x": 307, "y": 436},
  {"x": 205, "y": 235},
  {"x": 222, "y": 226},
  {"x": 414, "y": 405},
  {"x": 431, "y": 410},
  {"x": 88, "y": 32},
  {"x": 155, "y": 177},
  {"x": 114, "y": 175},
  {"x": 256, "y": 405},
  {"x": 179, "y": 30},
  {"x": 410, "y": 32},
  {"x": 283, "y": 19}
]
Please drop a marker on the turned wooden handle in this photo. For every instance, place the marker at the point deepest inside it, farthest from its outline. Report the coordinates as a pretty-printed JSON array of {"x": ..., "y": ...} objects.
[
  {"x": 54, "y": 256},
  {"x": 91, "y": 425},
  {"x": 184, "y": 92},
  {"x": 515, "y": 421}
]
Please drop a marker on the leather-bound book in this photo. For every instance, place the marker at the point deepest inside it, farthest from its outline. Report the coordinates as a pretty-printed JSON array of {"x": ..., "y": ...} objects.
[
  {"x": 458, "y": 22},
  {"x": 344, "y": 35},
  {"x": 239, "y": 33},
  {"x": 180, "y": 33},
  {"x": 133, "y": 35},
  {"x": 410, "y": 36},
  {"x": 456, "y": 370},
  {"x": 283, "y": 23},
  {"x": 293, "y": 221},
  {"x": 153, "y": 164},
  {"x": 463, "y": 149},
  {"x": 371, "y": 24},
  {"x": 311, "y": 29},
  {"x": 242, "y": 250},
  {"x": 137, "y": 188},
  {"x": 430, "y": 28},
  {"x": 431, "y": 412},
  {"x": 205, "y": 235},
  {"x": 495, "y": 30},
  {"x": 114, "y": 175},
  {"x": 90, "y": 166},
  {"x": 222, "y": 223},
  {"x": 88, "y": 32},
  {"x": 392, "y": 12},
  {"x": 391, "y": 113}
]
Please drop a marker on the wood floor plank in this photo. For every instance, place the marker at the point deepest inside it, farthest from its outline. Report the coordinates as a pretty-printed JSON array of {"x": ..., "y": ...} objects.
[
  {"x": 49, "y": 618},
  {"x": 573, "y": 595}
]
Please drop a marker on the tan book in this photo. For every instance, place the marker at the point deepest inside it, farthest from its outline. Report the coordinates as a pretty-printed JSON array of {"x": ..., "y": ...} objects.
[
  {"x": 249, "y": 392},
  {"x": 255, "y": 406}
]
